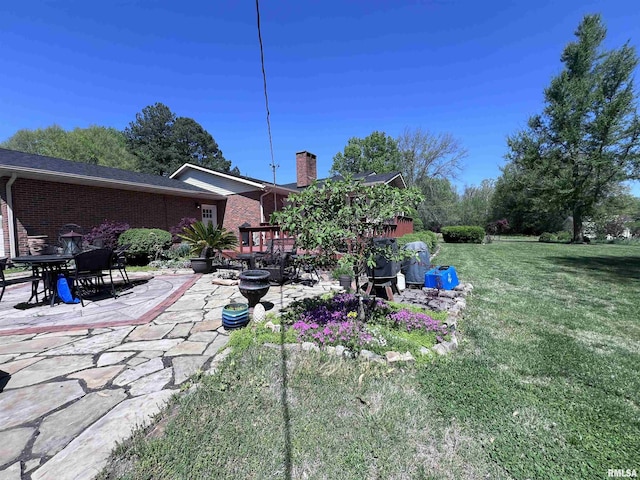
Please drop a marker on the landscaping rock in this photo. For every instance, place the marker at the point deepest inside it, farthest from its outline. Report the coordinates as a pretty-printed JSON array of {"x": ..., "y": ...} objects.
[
  {"x": 308, "y": 346},
  {"x": 394, "y": 357},
  {"x": 440, "y": 349},
  {"x": 370, "y": 356}
]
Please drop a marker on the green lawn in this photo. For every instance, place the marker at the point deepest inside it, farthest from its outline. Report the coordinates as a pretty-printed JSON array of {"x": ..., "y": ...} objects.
[{"x": 546, "y": 385}]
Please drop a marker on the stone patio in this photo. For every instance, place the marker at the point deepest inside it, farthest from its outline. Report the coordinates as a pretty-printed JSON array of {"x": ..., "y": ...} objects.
[{"x": 78, "y": 380}]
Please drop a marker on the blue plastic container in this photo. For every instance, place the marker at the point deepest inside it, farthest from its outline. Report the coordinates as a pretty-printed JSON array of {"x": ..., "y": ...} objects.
[{"x": 443, "y": 277}]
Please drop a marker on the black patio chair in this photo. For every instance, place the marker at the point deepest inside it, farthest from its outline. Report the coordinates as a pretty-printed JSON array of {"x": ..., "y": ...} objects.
[
  {"x": 5, "y": 282},
  {"x": 278, "y": 260},
  {"x": 89, "y": 272},
  {"x": 119, "y": 261}
]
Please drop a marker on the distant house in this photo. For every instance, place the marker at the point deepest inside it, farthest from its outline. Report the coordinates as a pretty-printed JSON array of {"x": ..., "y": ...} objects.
[{"x": 39, "y": 194}]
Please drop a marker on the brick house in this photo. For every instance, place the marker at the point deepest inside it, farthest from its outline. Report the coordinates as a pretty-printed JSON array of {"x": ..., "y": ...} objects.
[
  {"x": 250, "y": 202},
  {"x": 39, "y": 194}
]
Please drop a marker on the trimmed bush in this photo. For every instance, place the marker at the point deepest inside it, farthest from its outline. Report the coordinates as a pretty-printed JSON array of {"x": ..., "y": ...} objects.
[
  {"x": 145, "y": 244},
  {"x": 426, "y": 236},
  {"x": 463, "y": 234}
]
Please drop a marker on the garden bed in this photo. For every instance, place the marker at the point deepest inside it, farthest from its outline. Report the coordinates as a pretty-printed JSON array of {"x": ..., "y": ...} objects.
[{"x": 390, "y": 331}]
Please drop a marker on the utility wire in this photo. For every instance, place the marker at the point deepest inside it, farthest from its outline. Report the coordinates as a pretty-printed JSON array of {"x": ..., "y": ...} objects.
[{"x": 266, "y": 101}]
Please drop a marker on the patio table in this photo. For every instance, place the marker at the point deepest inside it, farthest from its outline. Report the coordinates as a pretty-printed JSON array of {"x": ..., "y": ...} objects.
[{"x": 47, "y": 267}]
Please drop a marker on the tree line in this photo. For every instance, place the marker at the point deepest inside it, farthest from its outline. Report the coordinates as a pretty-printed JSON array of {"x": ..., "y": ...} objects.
[
  {"x": 570, "y": 163},
  {"x": 156, "y": 142}
]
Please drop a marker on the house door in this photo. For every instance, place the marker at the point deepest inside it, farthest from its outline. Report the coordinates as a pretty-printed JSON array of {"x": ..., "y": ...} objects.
[{"x": 210, "y": 214}]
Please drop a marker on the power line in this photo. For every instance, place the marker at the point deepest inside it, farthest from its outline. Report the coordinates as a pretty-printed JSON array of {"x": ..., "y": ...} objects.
[{"x": 266, "y": 101}]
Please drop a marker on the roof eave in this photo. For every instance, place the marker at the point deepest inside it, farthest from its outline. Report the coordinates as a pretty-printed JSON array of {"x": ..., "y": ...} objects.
[
  {"x": 187, "y": 166},
  {"x": 46, "y": 175}
]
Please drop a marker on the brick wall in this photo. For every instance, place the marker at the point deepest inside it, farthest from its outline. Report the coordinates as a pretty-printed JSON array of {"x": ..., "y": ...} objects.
[
  {"x": 268, "y": 204},
  {"x": 240, "y": 209},
  {"x": 41, "y": 208}
]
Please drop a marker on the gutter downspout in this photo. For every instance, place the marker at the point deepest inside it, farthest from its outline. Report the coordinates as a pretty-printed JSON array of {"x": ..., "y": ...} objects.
[
  {"x": 10, "y": 218},
  {"x": 263, "y": 219}
]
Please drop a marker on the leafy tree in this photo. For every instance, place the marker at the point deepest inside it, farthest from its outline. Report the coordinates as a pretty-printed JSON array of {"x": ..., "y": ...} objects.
[
  {"x": 343, "y": 216},
  {"x": 475, "y": 204},
  {"x": 50, "y": 141},
  {"x": 615, "y": 212},
  {"x": 513, "y": 199},
  {"x": 587, "y": 139},
  {"x": 149, "y": 138},
  {"x": 162, "y": 142},
  {"x": 376, "y": 153},
  {"x": 439, "y": 207},
  {"x": 427, "y": 155},
  {"x": 195, "y": 145},
  {"x": 97, "y": 145}
]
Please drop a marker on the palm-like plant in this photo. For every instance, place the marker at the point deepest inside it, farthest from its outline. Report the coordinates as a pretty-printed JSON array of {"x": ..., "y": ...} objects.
[{"x": 204, "y": 239}]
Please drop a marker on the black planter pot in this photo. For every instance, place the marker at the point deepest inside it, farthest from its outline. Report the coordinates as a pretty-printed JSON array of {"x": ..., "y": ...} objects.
[
  {"x": 345, "y": 282},
  {"x": 201, "y": 265},
  {"x": 254, "y": 284}
]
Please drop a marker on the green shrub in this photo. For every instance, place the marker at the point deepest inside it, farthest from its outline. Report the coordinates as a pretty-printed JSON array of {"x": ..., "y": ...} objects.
[
  {"x": 558, "y": 237},
  {"x": 547, "y": 237},
  {"x": 178, "y": 251},
  {"x": 145, "y": 244},
  {"x": 426, "y": 236},
  {"x": 463, "y": 234}
]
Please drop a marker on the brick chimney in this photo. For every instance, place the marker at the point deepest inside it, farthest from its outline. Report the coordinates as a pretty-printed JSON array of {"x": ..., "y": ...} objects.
[{"x": 305, "y": 168}]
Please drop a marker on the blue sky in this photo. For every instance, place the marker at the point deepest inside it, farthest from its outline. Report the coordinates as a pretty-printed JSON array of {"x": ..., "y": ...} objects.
[{"x": 334, "y": 69}]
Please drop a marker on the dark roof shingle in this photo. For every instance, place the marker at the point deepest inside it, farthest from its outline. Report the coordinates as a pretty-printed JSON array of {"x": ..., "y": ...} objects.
[{"x": 19, "y": 160}]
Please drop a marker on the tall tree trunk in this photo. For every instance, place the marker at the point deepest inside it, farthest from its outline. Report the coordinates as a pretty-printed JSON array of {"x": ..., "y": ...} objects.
[{"x": 577, "y": 225}]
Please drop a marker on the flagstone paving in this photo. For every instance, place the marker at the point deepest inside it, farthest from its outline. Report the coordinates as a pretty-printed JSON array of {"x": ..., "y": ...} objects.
[{"x": 74, "y": 382}]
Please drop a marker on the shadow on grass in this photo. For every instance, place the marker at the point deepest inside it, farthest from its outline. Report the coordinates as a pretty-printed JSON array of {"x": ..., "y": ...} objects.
[{"x": 625, "y": 269}]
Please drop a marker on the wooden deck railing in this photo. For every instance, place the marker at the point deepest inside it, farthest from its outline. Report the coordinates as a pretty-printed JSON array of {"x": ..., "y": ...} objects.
[{"x": 256, "y": 239}]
